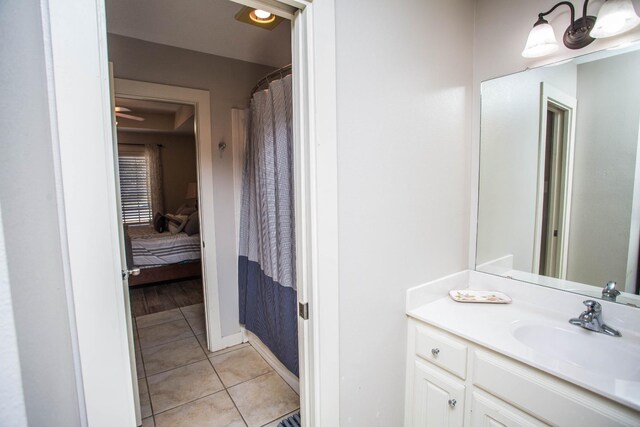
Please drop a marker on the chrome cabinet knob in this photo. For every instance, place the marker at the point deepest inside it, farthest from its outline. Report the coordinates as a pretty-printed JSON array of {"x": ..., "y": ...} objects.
[
  {"x": 452, "y": 403},
  {"x": 435, "y": 351}
]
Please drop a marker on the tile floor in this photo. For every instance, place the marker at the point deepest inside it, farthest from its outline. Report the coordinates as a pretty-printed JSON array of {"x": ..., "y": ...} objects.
[{"x": 182, "y": 384}]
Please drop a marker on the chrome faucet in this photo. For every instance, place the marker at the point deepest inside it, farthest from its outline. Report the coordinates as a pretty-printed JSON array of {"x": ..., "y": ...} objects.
[
  {"x": 591, "y": 319},
  {"x": 610, "y": 292}
]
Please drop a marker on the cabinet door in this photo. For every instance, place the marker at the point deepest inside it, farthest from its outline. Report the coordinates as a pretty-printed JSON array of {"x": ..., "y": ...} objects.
[
  {"x": 489, "y": 411},
  {"x": 438, "y": 400}
]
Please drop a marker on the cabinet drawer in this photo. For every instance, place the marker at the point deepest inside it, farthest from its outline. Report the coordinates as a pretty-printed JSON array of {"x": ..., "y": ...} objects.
[
  {"x": 549, "y": 399},
  {"x": 441, "y": 350}
]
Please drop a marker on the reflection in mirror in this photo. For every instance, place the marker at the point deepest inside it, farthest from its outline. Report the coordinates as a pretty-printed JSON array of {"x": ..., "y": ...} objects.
[{"x": 559, "y": 196}]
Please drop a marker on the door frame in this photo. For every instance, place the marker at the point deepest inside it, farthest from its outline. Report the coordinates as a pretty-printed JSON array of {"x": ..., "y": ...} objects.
[
  {"x": 200, "y": 100},
  {"x": 568, "y": 104},
  {"x": 77, "y": 61}
]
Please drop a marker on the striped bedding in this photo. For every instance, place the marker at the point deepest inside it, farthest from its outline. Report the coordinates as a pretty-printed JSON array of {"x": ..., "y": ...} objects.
[{"x": 150, "y": 248}]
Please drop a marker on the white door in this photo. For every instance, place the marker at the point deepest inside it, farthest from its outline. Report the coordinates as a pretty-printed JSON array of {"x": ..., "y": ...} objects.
[
  {"x": 123, "y": 256},
  {"x": 438, "y": 401}
]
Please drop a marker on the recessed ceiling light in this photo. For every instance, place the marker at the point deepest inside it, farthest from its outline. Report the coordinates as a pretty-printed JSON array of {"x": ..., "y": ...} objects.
[
  {"x": 262, "y": 14},
  {"x": 258, "y": 17}
]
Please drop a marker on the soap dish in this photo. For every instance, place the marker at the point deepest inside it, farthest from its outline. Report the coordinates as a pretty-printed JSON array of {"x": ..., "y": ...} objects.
[{"x": 469, "y": 295}]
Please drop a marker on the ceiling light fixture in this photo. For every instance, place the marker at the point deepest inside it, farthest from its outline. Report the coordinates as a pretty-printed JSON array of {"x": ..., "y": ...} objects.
[
  {"x": 258, "y": 17},
  {"x": 261, "y": 16},
  {"x": 614, "y": 18}
]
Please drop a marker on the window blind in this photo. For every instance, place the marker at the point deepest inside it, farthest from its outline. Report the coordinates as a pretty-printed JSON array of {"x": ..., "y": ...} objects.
[{"x": 135, "y": 193}]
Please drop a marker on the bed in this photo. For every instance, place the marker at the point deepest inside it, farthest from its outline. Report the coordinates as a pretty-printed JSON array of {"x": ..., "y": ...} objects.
[{"x": 161, "y": 256}]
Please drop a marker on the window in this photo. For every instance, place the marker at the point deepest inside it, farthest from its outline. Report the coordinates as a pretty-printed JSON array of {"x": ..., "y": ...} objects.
[{"x": 135, "y": 192}]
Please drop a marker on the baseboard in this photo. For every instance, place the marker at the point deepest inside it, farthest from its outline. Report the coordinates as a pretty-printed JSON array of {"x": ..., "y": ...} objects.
[
  {"x": 229, "y": 341},
  {"x": 271, "y": 359}
]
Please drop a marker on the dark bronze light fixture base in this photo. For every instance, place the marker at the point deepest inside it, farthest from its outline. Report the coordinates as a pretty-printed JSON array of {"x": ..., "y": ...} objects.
[{"x": 577, "y": 35}]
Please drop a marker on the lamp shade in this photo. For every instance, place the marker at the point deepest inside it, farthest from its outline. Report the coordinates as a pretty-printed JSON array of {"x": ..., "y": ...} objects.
[
  {"x": 192, "y": 191},
  {"x": 541, "y": 41},
  {"x": 615, "y": 17}
]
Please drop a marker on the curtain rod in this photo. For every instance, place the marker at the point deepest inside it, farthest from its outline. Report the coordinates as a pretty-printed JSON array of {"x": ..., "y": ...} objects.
[{"x": 274, "y": 75}]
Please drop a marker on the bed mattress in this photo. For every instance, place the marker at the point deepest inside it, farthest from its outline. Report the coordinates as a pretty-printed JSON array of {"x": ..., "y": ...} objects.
[{"x": 150, "y": 248}]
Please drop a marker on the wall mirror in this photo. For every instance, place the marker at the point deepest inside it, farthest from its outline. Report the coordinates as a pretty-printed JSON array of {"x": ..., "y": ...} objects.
[{"x": 559, "y": 187}]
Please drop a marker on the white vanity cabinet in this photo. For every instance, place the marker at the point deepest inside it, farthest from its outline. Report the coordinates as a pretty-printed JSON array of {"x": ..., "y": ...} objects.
[{"x": 455, "y": 382}]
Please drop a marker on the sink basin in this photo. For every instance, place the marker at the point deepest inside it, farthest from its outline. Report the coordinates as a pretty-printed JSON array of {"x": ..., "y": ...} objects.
[{"x": 612, "y": 357}]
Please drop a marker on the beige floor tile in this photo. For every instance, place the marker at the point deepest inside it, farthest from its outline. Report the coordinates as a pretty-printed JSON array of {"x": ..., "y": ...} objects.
[
  {"x": 264, "y": 399},
  {"x": 139, "y": 365},
  {"x": 164, "y": 333},
  {"x": 181, "y": 385},
  {"x": 148, "y": 422},
  {"x": 195, "y": 310},
  {"x": 198, "y": 324},
  {"x": 172, "y": 355},
  {"x": 239, "y": 365},
  {"x": 211, "y": 411},
  {"x": 276, "y": 422},
  {"x": 157, "y": 318},
  {"x": 145, "y": 403}
]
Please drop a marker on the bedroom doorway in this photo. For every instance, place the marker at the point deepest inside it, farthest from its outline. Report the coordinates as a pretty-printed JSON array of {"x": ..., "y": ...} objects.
[
  {"x": 190, "y": 256},
  {"x": 159, "y": 204}
]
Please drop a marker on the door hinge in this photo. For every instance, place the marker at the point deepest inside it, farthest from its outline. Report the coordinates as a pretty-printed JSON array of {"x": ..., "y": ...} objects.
[
  {"x": 303, "y": 310},
  {"x": 203, "y": 243}
]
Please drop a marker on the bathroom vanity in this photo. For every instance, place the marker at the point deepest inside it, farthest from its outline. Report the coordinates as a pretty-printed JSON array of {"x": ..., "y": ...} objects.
[{"x": 517, "y": 364}]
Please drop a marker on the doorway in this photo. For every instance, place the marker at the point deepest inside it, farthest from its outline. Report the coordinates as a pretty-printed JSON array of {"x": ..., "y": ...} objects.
[
  {"x": 217, "y": 368},
  {"x": 555, "y": 172},
  {"x": 79, "y": 76}
]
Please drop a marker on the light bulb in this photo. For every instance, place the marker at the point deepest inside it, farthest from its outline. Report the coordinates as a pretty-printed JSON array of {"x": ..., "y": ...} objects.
[{"x": 262, "y": 14}]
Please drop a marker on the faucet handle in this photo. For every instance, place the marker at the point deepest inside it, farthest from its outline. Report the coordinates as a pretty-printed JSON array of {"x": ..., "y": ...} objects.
[
  {"x": 610, "y": 290},
  {"x": 592, "y": 306}
]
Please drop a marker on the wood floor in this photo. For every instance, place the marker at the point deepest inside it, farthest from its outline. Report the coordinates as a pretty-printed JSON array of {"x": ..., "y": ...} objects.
[{"x": 166, "y": 296}]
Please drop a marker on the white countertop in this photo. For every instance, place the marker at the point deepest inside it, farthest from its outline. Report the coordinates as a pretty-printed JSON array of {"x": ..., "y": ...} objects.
[{"x": 491, "y": 326}]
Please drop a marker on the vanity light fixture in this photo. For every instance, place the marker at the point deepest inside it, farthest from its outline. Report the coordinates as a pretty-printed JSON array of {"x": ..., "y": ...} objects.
[{"x": 615, "y": 17}]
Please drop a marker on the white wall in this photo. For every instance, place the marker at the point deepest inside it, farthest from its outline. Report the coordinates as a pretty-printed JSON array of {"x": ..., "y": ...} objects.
[
  {"x": 604, "y": 169},
  {"x": 509, "y": 162},
  {"x": 12, "y": 409},
  {"x": 404, "y": 90},
  {"x": 229, "y": 82},
  {"x": 36, "y": 300}
]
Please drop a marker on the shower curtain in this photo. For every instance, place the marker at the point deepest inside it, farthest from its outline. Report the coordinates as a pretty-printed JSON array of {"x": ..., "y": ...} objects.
[{"x": 266, "y": 263}]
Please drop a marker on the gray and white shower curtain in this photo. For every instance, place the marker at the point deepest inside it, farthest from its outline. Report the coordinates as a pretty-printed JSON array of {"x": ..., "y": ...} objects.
[{"x": 266, "y": 263}]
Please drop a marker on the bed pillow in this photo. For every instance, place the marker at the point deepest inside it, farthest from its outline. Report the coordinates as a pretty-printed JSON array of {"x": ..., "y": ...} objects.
[
  {"x": 193, "y": 224},
  {"x": 185, "y": 210},
  {"x": 159, "y": 222},
  {"x": 175, "y": 223}
]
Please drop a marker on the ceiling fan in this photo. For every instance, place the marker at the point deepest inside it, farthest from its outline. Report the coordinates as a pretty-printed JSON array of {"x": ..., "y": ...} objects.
[{"x": 121, "y": 112}]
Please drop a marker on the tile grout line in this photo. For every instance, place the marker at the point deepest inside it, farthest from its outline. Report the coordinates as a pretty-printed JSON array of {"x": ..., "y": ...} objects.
[
  {"x": 177, "y": 367},
  {"x": 235, "y": 406},
  {"x": 145, "y": 376},
  {"x": 274, "y": 370},
  {"x": 189, "y": 402}
]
